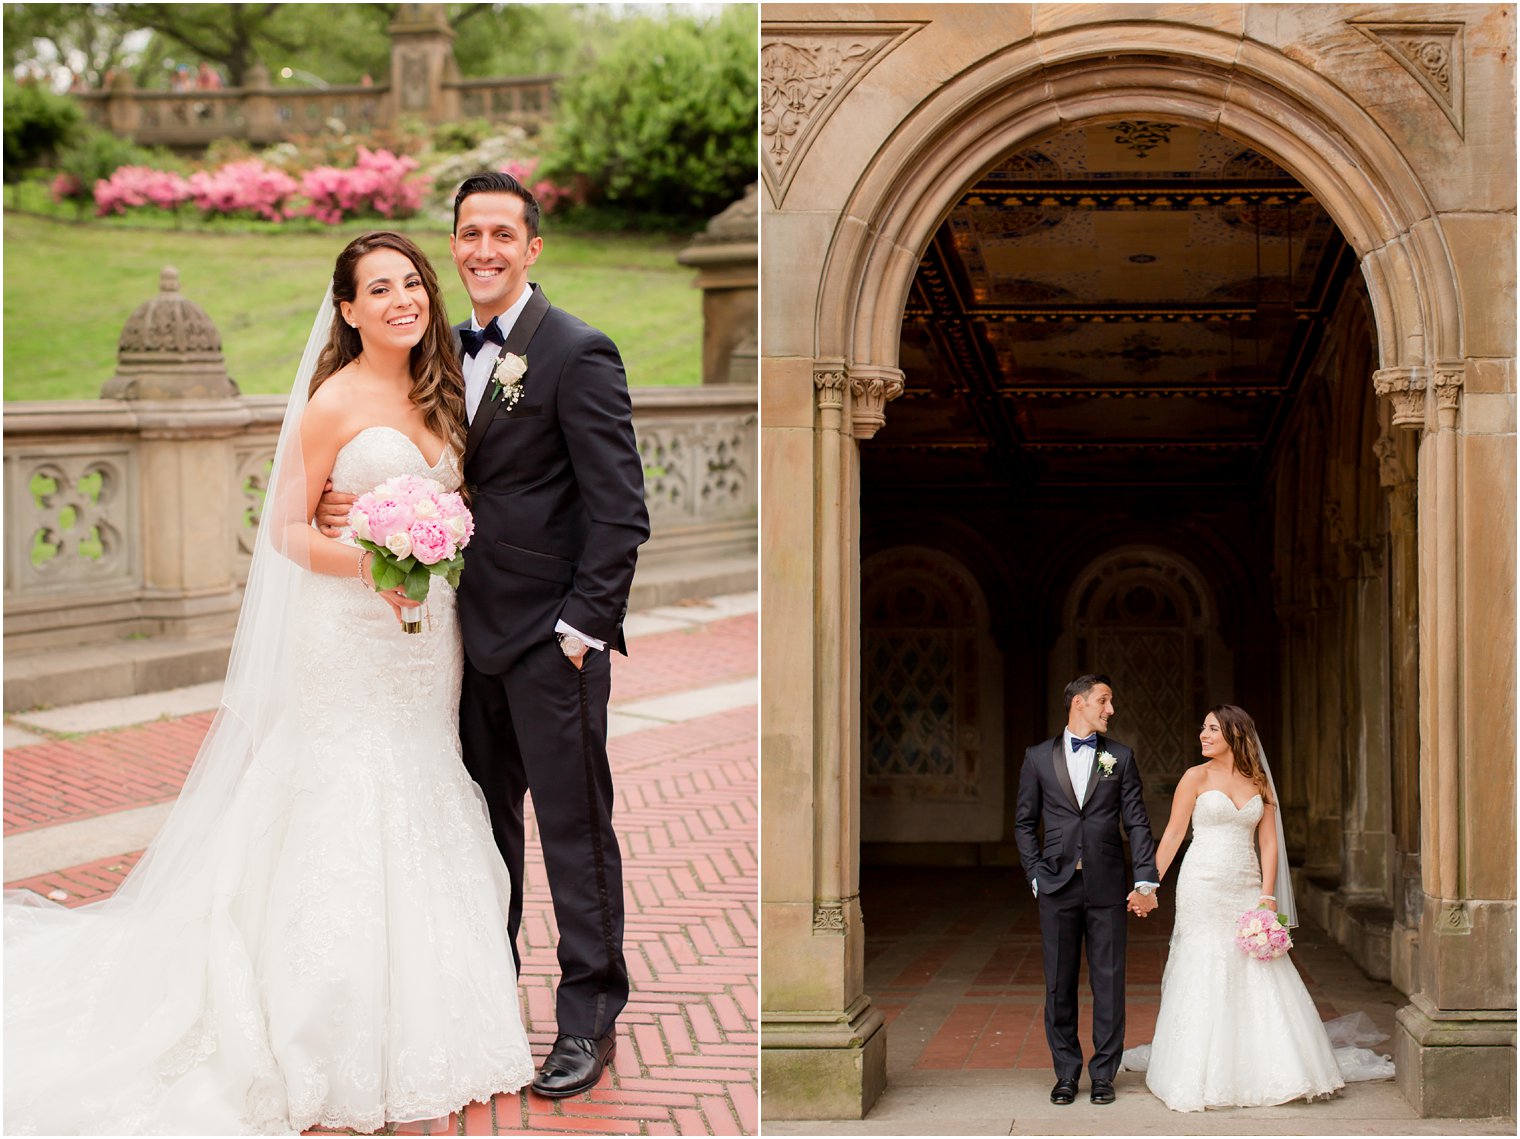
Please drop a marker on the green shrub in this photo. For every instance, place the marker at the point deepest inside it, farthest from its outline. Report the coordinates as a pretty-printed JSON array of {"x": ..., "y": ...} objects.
[
  {"x": 96, "y": 154},
  {"x": 664, "y": 121},
  {"x": 465, "y": 134},
  {"x": 37, "y": 124}
]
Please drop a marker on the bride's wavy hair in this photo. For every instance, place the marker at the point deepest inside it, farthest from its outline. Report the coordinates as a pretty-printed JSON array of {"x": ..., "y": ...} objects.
[
  {"x": 1239, "y": 732},
  {"x": 437, "y": 379}
]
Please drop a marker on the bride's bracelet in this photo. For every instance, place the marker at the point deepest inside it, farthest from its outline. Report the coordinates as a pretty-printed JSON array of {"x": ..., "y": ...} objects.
[
  {"x": 1266, "y": 897},
  {"x": 362, "y": 555}
]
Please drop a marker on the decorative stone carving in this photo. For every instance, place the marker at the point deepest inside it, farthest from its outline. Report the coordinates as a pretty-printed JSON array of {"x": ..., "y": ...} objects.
[
  {"x": 1141, "y": 136},
  {"x": 697, "y": 470},
  {"x": 805, "y": 72},
  {"x": 1432, "y": 53},
  {"x": 1404, "y": 388},
  {"x": 828, "y": 917},
  {"x": 830, "y": 386},
  {"x": 872, "y": 387},
  {"x": 1448, "y": 385},
  {"x": 75, "y": 515},
  {"x": 169, "y": 349}
]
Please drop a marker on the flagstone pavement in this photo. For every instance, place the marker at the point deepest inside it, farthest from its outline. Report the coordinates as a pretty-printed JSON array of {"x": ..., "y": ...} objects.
[{"x": 86, "y": 788}]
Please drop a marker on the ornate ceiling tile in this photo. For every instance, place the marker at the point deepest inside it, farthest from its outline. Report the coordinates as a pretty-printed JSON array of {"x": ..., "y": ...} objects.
[
  {"x": 1432, "y": 53},
  {"x": 806, "y": 69}
]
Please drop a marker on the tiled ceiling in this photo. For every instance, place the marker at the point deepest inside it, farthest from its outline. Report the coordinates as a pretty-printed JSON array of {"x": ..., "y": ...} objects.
[{"x": 1125, "y": 303}]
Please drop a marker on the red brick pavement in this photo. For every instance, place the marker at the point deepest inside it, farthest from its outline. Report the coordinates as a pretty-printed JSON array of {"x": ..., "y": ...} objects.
[
  {"x": 686, "y": 816},
  {"x": 957, "y": 953}
]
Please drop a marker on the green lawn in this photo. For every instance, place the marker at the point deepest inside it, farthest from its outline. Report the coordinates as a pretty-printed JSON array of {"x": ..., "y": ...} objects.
[{"x": 70, "y": 286}]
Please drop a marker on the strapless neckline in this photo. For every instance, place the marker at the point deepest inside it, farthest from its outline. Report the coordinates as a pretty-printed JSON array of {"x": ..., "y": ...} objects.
[{"x": 442, "y": 458}]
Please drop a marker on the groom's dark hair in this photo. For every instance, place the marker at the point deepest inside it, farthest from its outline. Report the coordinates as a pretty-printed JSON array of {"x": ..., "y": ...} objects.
[
  {"x": 1082, "y": 685},
  {"x": 498, "y": 182}
]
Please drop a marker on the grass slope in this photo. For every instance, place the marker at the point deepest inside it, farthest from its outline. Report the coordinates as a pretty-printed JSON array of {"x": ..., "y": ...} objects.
[{"x": 70, "y": 286}]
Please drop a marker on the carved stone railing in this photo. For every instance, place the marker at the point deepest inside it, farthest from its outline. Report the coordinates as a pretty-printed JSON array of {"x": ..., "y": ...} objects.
[
  {"x": 130, "y": 518},
  {"x": 264, "y": 115}
]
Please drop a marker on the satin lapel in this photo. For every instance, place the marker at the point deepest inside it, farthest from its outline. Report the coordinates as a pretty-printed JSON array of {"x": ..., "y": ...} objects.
[
  {"x": 1063, "y": 776},
  {"x": 517, "y": 343},
  {"x": 1092, "y": 776}
]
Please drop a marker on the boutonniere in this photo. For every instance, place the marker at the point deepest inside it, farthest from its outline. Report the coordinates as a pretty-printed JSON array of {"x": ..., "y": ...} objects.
[
  {"x": 507, "y": 379},
  {"x": 1106, "y": 764}
]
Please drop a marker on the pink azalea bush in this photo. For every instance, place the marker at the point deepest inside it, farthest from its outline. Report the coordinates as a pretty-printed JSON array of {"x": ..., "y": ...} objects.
[
  {"x": 1261, "y": 934},
  {"x": 549, "y": 194},
  {"x": 66, "y": 188},
  {"x": 136, "y": 186},
  {"x": 249, "y": 186},
  {"x": 415, "y": 529},
  {"x": 378, "y": 183}
]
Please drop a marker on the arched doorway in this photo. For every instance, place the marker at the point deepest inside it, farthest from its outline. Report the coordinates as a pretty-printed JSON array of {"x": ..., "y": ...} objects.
[{"x": 995, "y": 104}]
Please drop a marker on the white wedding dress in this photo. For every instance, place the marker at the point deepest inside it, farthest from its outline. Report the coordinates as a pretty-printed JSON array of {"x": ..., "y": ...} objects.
[
  {"x": 333, "y": 951},
  {"x": 1232, "y": 1031}
]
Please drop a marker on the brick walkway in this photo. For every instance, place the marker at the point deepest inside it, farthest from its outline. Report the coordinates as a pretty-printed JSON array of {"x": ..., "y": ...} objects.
[
  {"x": 953, "y": 962},
  {"x": 686, "y": 817}
]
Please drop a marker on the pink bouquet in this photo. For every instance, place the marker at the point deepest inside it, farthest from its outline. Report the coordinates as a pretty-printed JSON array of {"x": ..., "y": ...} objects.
[
  {"x": 415, "y": 529},
  {"x": 1261, "y": 934}
]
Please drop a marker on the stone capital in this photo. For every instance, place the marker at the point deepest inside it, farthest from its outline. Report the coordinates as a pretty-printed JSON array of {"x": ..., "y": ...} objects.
[
  {"x": 872, "y": 386},
  {"x": 1448, "y": 386},
  {"x": 829, "y": 383},
  {"x": 1404, "y": 388}
]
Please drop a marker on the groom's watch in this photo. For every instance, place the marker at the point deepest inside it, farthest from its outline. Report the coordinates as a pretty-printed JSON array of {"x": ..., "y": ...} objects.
[
  {"x": 571, "y": 645},
  {"x": 1145, "y": 889}
]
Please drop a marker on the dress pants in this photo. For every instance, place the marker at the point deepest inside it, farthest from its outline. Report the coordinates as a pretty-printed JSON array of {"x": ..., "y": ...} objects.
[
  {"x": 1067, "y": 921},
  {"x": 540, "y": 729}
]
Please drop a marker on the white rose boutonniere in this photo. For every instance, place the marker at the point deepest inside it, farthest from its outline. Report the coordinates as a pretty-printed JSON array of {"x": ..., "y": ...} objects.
[
  {"x": 1106, "y": 764},
  {"x": 507, "y": 379}
]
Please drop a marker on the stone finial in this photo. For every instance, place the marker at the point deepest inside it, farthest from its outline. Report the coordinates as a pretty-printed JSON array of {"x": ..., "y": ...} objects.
[
  {"x": 739, "y": 222},
  {"x": 169, "y": 349}
]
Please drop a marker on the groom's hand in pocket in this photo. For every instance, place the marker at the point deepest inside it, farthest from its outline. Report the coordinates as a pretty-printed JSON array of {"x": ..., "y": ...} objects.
[{"x": 332, "y": 510}]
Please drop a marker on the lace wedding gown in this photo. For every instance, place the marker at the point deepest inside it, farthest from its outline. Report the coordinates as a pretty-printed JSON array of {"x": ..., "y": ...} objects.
[
  {"x": 1232, "y": 1031},
  {"x": 335, "y": 954}
]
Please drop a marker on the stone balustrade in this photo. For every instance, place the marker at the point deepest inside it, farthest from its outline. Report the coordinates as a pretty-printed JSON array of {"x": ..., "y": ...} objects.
[{"x": 136, "y": 517}]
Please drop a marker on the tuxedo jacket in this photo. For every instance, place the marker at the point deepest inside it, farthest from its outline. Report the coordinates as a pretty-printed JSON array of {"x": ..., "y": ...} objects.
[
  {"x": 1114, "y": 804},
  {"x": 557, "y": 489}
]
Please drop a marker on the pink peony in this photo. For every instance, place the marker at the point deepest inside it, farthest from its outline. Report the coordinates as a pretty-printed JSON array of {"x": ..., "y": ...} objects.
[
  {"x": 384, "y": 517},
  {"x": 431, "y": 542}
]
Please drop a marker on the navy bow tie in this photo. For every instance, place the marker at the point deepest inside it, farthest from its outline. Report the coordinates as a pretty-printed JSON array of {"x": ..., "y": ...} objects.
[
  {"x": 1086, "y": 741},
  {"x": 471, "y": 342}
]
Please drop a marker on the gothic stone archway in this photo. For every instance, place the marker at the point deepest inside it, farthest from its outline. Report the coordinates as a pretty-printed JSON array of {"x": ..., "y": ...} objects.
[{"x": 899, "y": 144}]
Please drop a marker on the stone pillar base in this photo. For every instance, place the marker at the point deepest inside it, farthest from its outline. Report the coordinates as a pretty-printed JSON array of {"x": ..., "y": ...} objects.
[
  {"x": 823, "y": 1069},
  {"x": 1455, "y": 1064}
]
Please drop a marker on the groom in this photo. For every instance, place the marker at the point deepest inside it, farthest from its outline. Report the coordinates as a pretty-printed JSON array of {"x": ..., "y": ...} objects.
[
  {"x": 557, "y": 489},
  {"x": 1086, "y": 788}
]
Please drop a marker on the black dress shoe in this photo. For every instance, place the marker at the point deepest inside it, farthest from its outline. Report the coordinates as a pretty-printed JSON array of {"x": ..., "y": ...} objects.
[
  {"x": 573, "y": 1065},
  {"x": 1102, "y": 1091},
  {"x": 1064, "y": 1092}
]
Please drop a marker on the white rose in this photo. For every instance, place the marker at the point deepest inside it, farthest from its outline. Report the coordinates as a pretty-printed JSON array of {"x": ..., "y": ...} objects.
[
  {"x": 456, "y": 526},
  {"x": 510, "y": 368},
  {"x": 400, "y": 544},
  {"x": 425, "y": 508},
  {"x": 360, "y": 523}
]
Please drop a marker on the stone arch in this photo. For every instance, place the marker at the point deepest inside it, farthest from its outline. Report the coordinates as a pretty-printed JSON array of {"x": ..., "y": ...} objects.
[
  {"x": 1092, "y": 73},
  {"x": 932, "y": 684}
]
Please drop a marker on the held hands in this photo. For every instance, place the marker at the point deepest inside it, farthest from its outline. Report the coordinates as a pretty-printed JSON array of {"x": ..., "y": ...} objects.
[
  {"x": 1141, "y": 904},
  {"x": 332, "y": 511}
]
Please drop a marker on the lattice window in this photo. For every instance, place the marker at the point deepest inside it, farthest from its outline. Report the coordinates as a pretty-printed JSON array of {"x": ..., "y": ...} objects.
[{"x": 910, "y": 710}]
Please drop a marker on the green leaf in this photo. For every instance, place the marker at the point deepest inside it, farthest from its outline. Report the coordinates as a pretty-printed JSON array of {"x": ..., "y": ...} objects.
[
  {"x": 386, "y": 574},
  {"x": 417, "y": 582}
]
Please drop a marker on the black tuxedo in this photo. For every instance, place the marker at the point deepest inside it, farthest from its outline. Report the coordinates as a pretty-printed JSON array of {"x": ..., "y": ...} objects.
[
  {"x": 1082, "y": 887},
  {"x": 557, "y": 490}
]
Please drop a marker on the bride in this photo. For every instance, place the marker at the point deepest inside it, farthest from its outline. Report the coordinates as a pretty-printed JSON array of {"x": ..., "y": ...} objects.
[
  {"x": 1232, "y": 1030},
  {"x": 318, "y": 936}
]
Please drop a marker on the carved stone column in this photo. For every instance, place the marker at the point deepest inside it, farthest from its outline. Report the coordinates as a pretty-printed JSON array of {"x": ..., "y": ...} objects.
[
  {"x": 726, "y": 258},
  {"x": 1455, "y": 1045},
  {"x": 872, "y": 386},
  {"x": 823, "y": 1049},
  {"x": 422, "y": 59},
  {"x": 1395, "y": 455}
]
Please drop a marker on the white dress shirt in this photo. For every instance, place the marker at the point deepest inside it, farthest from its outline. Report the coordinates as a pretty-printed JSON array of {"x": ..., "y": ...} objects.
[{"x": 477, "y": 373}]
